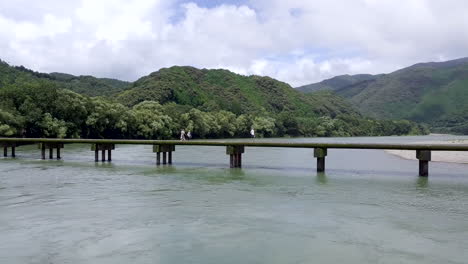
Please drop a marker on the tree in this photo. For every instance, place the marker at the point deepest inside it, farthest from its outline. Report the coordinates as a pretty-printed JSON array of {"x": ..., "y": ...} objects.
[
  {"x": 151, "y": 122},
  {"x": 265, "y": 126},
  {"x": 106, "y": 119},
  {"x": 226, "y": 124},
  {"x": 244, "y": 123},
  {"x": 10, "y": 124},
  {"x": 201, "y": 124},
  {"x": 53, "y": 127}
]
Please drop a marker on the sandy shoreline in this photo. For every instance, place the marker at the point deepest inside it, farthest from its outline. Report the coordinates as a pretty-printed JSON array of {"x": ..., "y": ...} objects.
[{"x": 442, "y": 156}]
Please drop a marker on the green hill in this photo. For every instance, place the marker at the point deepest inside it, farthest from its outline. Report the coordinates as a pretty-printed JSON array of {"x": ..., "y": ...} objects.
[
  {"x": 210, "y": 103},
  {"x": 435, "y": 93},
  {"x": 90, "y": 85},
  {"x": 214, "y": 90},
  {"x": 87, "y": 85}
]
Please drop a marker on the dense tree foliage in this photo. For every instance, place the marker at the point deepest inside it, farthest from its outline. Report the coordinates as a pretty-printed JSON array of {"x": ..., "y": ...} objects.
[
  {"x": 86, "y": 85},
  {"x": 210, "y": 104},
  {"x": 43, "y": 110},
  {"x": 337, "y": 83},
  {"x": 216, "y": 90}
]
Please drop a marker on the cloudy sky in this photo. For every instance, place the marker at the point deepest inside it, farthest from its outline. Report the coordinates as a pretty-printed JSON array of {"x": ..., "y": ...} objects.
[{"x": 296, "y": 41}]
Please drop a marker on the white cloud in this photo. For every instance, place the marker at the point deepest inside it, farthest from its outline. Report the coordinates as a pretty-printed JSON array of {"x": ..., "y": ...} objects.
[
  {"x": 295, "y": 41},
  {"x": 308, "y": 68}
]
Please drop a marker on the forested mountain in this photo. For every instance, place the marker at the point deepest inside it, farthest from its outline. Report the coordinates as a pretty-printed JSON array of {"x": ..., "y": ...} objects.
[
  {"x": 90, "y": 85},
  {"x": 336, "y": 82},
  {"x": 214, "y": 90},
  {"x": 435, "y": 93},
  {"x": 210, "y": 103},
  {"x": 87, "y": 85}
]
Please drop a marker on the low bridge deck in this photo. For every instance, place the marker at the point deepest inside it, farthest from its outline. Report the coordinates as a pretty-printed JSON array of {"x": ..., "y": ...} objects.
[
  {"x": 233, "y": 148},
  {"x": 247, "y": 143}
]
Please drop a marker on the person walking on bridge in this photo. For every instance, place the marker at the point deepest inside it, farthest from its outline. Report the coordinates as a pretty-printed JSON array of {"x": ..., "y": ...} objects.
[
  {"x": 182, "y": 135},
  {"x": 252, "y": 133}
]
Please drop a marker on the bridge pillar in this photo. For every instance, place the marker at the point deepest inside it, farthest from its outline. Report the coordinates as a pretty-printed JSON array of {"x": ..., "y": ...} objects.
[
  {"x": 51, "y": 147},
  {"x": 7, "y": 145},
  {"x": 424, "y": 156},
  {"x": 166, "y": 150},
  {"x": 102, "y": 147},
  {"x": 320, "y": 154},
  {"x": 43, "y": 150},
  {"x": 235, "y": 155}
]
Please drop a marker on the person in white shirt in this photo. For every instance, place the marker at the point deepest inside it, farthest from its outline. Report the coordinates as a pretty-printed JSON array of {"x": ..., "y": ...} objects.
[
  {"x": 252, "y": 133},
  {"x": 182, "y": 135}
]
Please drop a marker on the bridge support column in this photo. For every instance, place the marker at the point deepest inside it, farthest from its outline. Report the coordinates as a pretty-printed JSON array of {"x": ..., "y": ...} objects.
[
  {"x": 7, "y": 145},
  {"x": 166, "y": 151},
  {"x": 102, "y": 147},
  {"x": 43, "y": 149},
  {"x": 424, "y": 156},
  {"x": 51, "y": 147},
  {"x": 320, "y": 154},
  {"x": 235, "y": 155}
]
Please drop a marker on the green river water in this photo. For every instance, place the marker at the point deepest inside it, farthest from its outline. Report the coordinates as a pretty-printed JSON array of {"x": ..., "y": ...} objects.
[{"x": 368, "y": 207}]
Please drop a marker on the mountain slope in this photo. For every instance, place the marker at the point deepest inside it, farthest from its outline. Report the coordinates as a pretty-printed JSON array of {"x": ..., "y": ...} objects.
[
  {"x": 418, "y": 92},
  {"x": 435, "y": 93},
  {"x": 90, "y": 85},
  {"x": 336, "y": 83},
  {"x": 87, "y": 85},
  {"x": 213, "y": 90}
]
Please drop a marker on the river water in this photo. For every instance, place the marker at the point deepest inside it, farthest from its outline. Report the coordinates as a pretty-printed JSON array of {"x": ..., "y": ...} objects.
[{"x": 369, "y": 207}]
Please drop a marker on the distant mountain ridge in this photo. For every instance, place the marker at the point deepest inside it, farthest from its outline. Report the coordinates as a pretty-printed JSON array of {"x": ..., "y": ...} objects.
[
  {"x": 90, "y": 85},
  {"x": 433, "y": 92},
  {"x": 336, "y": 82},
  {"x": 87, "y": 85}
]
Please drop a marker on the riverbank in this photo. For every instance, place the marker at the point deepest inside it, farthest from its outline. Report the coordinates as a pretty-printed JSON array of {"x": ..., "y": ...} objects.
[{"x": 441, "y": 156}]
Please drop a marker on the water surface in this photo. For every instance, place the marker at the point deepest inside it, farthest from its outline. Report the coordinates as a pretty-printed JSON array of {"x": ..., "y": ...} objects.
[{"x": 369, "y": 207}]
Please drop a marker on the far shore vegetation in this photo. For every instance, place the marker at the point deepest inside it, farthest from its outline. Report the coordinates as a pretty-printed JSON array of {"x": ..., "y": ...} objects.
[{"x": 209, "y": 103}]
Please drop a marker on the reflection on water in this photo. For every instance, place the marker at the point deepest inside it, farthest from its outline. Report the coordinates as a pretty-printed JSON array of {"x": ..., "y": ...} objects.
[
  {"x": 322, "y": 178},
  {"x": 422, "y": 182},
  {"x": 368, "y": 207}
]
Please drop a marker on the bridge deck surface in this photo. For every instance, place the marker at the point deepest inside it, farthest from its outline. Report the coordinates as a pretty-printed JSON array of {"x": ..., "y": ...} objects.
[{"x": 248, "y": 143}]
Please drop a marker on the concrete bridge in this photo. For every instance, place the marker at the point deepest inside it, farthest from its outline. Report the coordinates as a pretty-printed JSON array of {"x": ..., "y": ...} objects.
[{"x": 234, "y": 149}]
